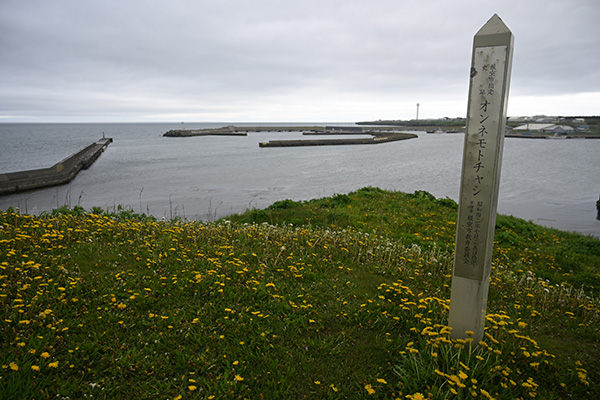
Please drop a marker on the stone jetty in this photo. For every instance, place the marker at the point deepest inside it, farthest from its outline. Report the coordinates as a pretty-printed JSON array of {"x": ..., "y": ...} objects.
[
  {"x": 378, "y": 134},
  {"x": 60, "y": 173},
  {"x": 376, "y": 138},
  {"x": 225, "y": 131},
  {"x": 232, "y": 130}
]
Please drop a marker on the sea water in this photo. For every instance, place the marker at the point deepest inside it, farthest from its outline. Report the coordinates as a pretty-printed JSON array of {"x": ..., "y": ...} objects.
[{"x": 551, "y": 182}]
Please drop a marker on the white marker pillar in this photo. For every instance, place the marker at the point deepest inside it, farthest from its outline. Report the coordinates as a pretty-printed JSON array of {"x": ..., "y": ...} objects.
[{"x": 482, "y": 159}]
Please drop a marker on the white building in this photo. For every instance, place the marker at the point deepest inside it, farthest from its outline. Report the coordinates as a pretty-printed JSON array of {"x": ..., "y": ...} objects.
[
  {"x": 545, "y": 128},
  {"x": 532, "y": 127}
]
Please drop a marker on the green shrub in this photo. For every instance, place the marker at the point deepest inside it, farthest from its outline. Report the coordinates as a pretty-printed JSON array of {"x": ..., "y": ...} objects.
[{"x": 284, "y": 205}]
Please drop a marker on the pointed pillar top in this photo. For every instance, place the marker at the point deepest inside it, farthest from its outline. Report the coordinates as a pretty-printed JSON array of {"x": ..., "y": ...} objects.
[{"x": 493, "y": 33}]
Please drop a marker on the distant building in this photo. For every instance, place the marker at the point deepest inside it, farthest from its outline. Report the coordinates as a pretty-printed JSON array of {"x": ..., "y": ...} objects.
[
  {"x": 545, "y": 128},
  {"x": 579, "y": 120},
  {"x": 560, "y": 129},
  {"x": 546, "y": 120},
  {"x": 518, "y": 119},
  {"x": 532, "y": 127},
  {"x": 583, "y": 128}
]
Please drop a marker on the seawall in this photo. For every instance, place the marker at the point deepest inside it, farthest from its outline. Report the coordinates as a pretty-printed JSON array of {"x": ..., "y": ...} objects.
[
  {"x": 380, "y": 137},
  {"x": 62, "y": 172}
]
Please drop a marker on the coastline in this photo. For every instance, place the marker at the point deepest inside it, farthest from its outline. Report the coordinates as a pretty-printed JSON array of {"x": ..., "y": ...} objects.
[
  {"x": 209, "y": 177},
  {"x": 549, "y": 136}
]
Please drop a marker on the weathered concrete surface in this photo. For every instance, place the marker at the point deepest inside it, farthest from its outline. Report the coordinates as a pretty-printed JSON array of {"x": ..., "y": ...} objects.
[
  {"x": 233, "y": 130},
  {"x": 489, "y": 82},
  {"x": 60, "y": 173},
  {"x": 377, "y": 137},
  {"x": 203, "y": 132}
]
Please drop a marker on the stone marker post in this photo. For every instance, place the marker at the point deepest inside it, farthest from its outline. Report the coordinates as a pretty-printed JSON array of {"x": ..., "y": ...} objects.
[{"x": 482, "y": 158}]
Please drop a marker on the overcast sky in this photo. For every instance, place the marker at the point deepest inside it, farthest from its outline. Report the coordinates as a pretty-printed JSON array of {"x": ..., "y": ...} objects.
[{"x": 285, "y": 60}]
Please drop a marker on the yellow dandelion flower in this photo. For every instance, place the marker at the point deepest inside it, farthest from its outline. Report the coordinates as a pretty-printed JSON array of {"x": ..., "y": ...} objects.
[
  {"x": 192, "y": 388},
  {"x": 45, "y": 354},
  {"x": 440, "y": 373},
  {"x": 13, "y": 366},
  {"x": 382, "y": 381},
  {"x": 35, "y": 368},
  {"x": 238, "y": 378},
  {"x": 53, "y": 364},
  {"x": 369, "y": 389},
  {"x": 583, "y": 377},
  {"x": 417, "y": 396}
]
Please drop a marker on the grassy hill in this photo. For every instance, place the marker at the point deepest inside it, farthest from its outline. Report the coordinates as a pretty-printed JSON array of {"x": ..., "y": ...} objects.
[{"x": 341, "y": 297}]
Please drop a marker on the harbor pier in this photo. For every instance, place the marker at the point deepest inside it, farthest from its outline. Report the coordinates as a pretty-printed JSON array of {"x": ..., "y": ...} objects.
[{"x": 62, "y": 172}]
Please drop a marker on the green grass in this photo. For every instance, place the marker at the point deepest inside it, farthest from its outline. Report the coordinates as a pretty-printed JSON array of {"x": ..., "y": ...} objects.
[{"x": 341, "y": 297}]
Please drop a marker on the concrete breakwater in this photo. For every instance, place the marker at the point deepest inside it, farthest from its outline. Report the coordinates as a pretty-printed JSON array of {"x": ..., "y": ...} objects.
[
  {"x": 378, "y": 134},
  {"x": 203, "y": 132},
  {"x": 232, "y": 130},
  {"x": 377, "y": 137},
  {"x": 62, "y": 172}
]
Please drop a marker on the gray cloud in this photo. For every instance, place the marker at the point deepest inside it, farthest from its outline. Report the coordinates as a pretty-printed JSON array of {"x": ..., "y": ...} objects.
[{"x": 272, "y": 60}]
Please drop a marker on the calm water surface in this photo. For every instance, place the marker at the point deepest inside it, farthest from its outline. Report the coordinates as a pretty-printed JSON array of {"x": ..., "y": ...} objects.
[{"x": 551, "y": 182}]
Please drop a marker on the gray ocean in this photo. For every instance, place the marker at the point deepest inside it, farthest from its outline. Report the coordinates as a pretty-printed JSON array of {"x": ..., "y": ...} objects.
[{"x": 551, "y": 182}]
